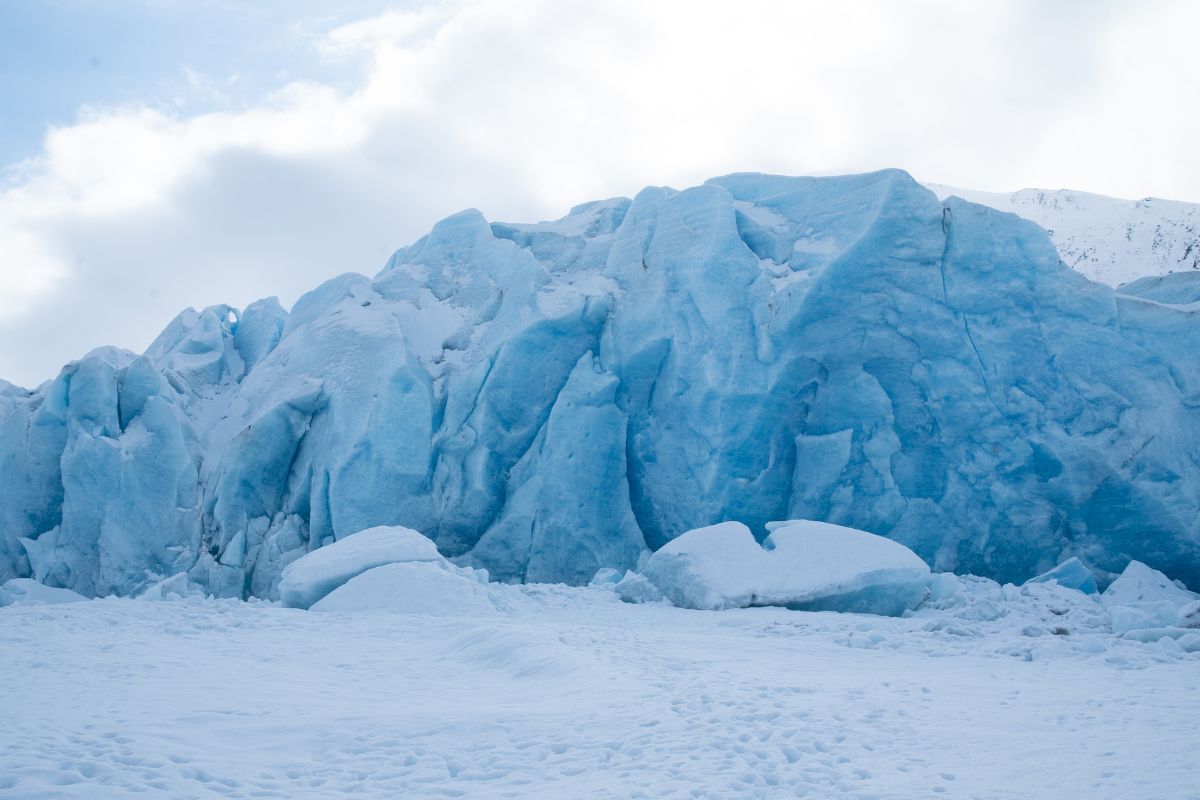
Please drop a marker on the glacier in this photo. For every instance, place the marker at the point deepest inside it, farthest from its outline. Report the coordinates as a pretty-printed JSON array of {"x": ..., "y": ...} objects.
[{"x": 546, "y": 400}]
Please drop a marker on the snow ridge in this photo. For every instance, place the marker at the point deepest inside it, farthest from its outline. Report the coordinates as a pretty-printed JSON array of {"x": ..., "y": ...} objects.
[{"x": 1109, "y": 240}]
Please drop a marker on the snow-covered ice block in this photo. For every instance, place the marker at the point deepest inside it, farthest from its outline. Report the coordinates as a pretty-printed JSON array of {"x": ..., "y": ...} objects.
[
  {"x": 637, "y": 588},
  {"x": 822, "y": 567},
  {"x": 413, "y": 587},
  {"x": 605, "y": 576},
  {"x": 1189, "y": 615},
  {"x": 964, "y": 597},
  {"x": 1169, "y": 644},
  {"x": 1143, "y": 616},
  {"x": 805, "y": 565},
  {"x": 1141, "y": 584},
  {"x": 714, "y": 567},
  {"x": 1072, "y": 574},
  {"x": 1151, "y": 635},
  {"x": 28, "y": 592},
  {"x": 175, "y": 587},
  {"x": 308, "y": 579},
  {"x": 944, "y": 586}
]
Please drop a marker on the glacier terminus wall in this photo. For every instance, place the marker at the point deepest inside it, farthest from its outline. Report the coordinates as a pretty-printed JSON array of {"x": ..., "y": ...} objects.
[{"x": 545, "y": 400}]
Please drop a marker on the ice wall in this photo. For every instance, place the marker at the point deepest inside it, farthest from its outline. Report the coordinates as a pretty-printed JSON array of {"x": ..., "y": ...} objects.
[{"x": 544, "y": 400}]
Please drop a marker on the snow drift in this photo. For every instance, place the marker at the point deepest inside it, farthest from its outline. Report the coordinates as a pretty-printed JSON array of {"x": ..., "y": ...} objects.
[{"x": 546, "y": 400}]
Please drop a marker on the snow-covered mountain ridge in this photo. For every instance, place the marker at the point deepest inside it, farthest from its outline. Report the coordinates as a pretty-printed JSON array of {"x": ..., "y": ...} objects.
[
  {"x": 1109, "y": 240},
  {"x": 543, "y": 400}
]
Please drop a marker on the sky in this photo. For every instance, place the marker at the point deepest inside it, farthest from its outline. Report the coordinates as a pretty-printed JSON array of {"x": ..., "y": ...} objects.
[{"x": 156, "y": 155}]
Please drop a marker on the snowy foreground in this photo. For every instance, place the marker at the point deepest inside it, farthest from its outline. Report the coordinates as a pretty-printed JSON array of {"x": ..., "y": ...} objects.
[{"x": 556, "y": 692}]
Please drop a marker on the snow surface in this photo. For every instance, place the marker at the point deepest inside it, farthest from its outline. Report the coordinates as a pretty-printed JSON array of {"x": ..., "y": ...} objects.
[
  {"x": 1108, "y": 240},
  {"x": 546, "y": 400},
  {"x": 559, "y": 692}
]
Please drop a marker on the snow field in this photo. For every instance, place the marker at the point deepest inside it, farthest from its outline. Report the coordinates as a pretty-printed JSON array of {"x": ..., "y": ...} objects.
[{"x": 567, "y": 692}]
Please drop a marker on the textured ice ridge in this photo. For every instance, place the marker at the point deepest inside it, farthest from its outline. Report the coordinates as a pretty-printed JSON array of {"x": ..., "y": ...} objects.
[{"x": 546, "y": 400}]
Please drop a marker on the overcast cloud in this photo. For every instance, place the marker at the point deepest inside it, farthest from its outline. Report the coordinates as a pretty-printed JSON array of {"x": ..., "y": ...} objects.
[{"x": 138, "y": 209}]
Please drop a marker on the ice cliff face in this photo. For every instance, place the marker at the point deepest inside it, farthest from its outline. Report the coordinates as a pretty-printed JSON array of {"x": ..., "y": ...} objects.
[{"x": 544, "y": 400}]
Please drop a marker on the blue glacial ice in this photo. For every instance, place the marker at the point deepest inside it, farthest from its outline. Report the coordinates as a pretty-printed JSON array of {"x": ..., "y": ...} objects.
[
  {"x": 1072, "y": 574},
  {"x": 546, "y": 400},
  {"x": 28, "y": 592}
]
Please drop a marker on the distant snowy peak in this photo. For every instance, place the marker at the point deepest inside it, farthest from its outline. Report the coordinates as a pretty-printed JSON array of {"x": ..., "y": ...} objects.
[{"x": 1107, "y": 239}]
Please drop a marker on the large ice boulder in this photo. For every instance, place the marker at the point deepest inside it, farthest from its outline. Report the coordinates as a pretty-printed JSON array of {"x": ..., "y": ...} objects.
[
  {"x": 802, "y": 565},
  {"x": 633, "y": 587},
  {"x": 28, "y": 592},
  {"x": 713, "y": 567},
  {"x": 1145, "y": 615},
  {"x": 308, "y": 579},
  {"x": 817, "y": 566},
  {"x": 1142, "y": 598},
  {"x": 413, "y": 587},
  {"x": 1141, "y": 584}
]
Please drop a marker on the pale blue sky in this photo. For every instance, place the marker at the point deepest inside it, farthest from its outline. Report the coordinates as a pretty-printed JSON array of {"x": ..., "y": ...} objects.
[
  {"x": 58, "y": 55},
  {"x": 159, "y": 154}
]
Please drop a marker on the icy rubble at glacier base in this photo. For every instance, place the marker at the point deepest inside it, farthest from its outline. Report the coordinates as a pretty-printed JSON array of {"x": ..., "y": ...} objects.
[
  {"x": 547, "y": 400},
  {"x": 802, "y": 566}
]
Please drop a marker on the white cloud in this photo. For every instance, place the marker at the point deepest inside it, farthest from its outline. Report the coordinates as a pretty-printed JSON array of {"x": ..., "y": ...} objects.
[{"x": 523, "y": 109}]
